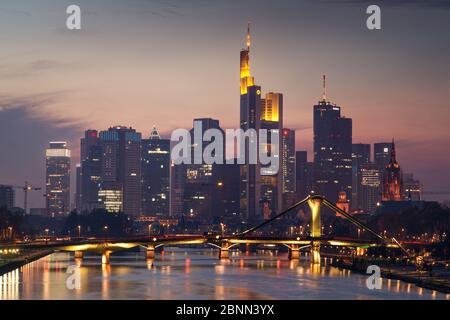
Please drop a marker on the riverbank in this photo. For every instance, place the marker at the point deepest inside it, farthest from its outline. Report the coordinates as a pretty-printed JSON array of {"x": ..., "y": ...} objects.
[
  {"x": 9, "y": 264},
  {"x": 438, "y": 279}
]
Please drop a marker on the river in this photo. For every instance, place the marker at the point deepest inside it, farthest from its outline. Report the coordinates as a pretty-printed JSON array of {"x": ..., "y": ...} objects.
[{"x": 180, "y": 273}]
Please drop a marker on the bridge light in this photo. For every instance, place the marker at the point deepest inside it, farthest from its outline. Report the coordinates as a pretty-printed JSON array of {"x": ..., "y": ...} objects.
[
  {"x": 298, "y": 238},
  {"x": 217, "y": 237},
  {"x": 154, "y": 239}
]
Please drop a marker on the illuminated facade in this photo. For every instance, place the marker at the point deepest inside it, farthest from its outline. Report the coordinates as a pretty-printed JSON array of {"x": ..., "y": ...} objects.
[
  {"x": 58, "y": 179},
  {"x": 121, "y": 163},
  {"x": 250, "y": 118},
  {"x": 392, "y": 181},
  {"x": 369, "y": 194},
  {"x": 155, "y": 175},
  {"x": 260, "y": 187},
  {"x": 110, "y": 197},
  {"x": 332, "y": 150},
  {"x": 360, "y": 156},
  {"x": 343, "y": 203},
  {"x": 288, "y": 166}
]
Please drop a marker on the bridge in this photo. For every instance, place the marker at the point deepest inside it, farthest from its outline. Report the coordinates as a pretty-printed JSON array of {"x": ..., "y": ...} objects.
[{"x": 224, "y": 243}]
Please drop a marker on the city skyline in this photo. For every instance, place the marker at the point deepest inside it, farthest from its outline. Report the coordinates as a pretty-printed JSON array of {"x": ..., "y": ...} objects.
[{"x": 66, "y": 116}]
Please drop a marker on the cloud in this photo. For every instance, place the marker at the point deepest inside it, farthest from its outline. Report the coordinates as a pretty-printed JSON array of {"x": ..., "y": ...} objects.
[
  {"x": 25, "y": 132},
  {"x": 31, "y": 68}
]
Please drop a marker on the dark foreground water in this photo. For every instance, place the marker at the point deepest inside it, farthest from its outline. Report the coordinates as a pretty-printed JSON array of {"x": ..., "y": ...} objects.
[{"x": 181, "y": 273}]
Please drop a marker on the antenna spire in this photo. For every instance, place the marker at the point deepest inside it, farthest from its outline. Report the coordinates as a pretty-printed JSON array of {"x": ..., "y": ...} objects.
[
  {"x": 248, "y": 37},
  {"x": 324, "y": 87}
]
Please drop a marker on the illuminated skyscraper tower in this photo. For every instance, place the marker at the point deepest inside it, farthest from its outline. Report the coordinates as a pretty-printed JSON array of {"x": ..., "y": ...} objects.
[
  {"x": 260, "y": 186},
  {"x": 58, "y": 179},
  {"x": 250, "y": 110}
]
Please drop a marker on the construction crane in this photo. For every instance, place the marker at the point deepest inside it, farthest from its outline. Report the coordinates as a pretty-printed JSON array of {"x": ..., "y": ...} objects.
[{"x": 26, "y": 188}]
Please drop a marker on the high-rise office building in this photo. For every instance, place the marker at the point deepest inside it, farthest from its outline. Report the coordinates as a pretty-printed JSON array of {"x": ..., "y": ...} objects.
[
  {"x": 58, "y": 179},
  {"x": 91, "y": 154},
  {"x": 369, "y": 194},
  {"x": 288, "y": 160},
  {"x": 392, "y": 181},
  {"x": 304, "y": 171},
  {"x": 382, "y": 154},
  {"x": 288, "y": 167},
  {"x": 260, "y": 186},
  {"x": 360, "y": 156},
  {"x": 78, "y": 180},
  {"x": 155, "y": 175},
  {"x": 250, "y": 111},
  {"x": 203, "y": 181},
  {"x": 7, "y": 196},
  {"x": 110, "y": 196},
  {"x": 332, "y": 150},
  {"x": 121, "y": 163},
  {"x": 271, "y": 181}
]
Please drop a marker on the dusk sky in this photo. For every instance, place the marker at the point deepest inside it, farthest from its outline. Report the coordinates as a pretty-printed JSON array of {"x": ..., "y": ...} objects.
[{"x": 141, "y": 63}]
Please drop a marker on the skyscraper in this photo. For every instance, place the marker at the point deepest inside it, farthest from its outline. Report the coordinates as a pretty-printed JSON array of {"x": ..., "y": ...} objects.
[
  {"x": 78, "y": 179},
  {"x": 332, "y": 150},
  {"x": 121, "y": 163},
  {"x": 271, "y": 182},
  {"x": 155, "y": 175},
  {"x": 7, "y": 196},
  {"x": 260, "y": 186},
  {"x": 250, "y": 111},
  {"x": 392, "y": 181},
  {"x": 91, "y": 155},
  {"x": 288, "y": 167},
  {"x": 360, "y": 156},
  {"x": 382, "y": 154},
  {"x": 288, "y": 160},
  {"x": 369, "y": 194},
  {"x": 58, "y": 179},
  {"x": 203, "y": 182},
  {"x": 303, "y": 175}
]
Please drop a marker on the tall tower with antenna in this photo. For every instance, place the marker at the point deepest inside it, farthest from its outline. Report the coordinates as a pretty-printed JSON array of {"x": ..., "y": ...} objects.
[{"x": 332, "y": 149}]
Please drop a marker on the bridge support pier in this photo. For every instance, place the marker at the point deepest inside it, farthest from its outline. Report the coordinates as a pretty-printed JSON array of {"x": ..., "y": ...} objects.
[
  {"x": 315, "y": 252},
  {"x": 294, "y": 252},
  {"x": 224, "y": 250},
  {"x": 224, "y": 254},
  {"x": 79, "y": 254},
  {"x": 150, "y": 252},
  {"x": 106, "y": 256}
]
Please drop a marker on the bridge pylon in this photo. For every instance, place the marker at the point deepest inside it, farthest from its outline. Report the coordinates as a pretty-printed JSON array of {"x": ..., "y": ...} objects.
[
  {"x": 315, "y": 203},
  {"x": 106, "y": 256}
]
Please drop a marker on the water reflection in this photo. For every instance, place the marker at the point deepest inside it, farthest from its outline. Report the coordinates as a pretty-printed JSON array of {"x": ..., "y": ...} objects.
[{"x": 198, "y": 274}]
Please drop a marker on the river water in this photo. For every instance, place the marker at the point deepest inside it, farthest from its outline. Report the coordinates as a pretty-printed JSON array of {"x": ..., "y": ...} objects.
[{"x": 180, "y": 273}]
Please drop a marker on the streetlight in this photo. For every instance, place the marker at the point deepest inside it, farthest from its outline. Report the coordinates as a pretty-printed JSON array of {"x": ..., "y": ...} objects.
[
  {"x": 46, "y": 238},
  {"x": 106, "y": 231},
  {"x": 149, "y": 229},
  {"x": 79, "y": 231}
]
